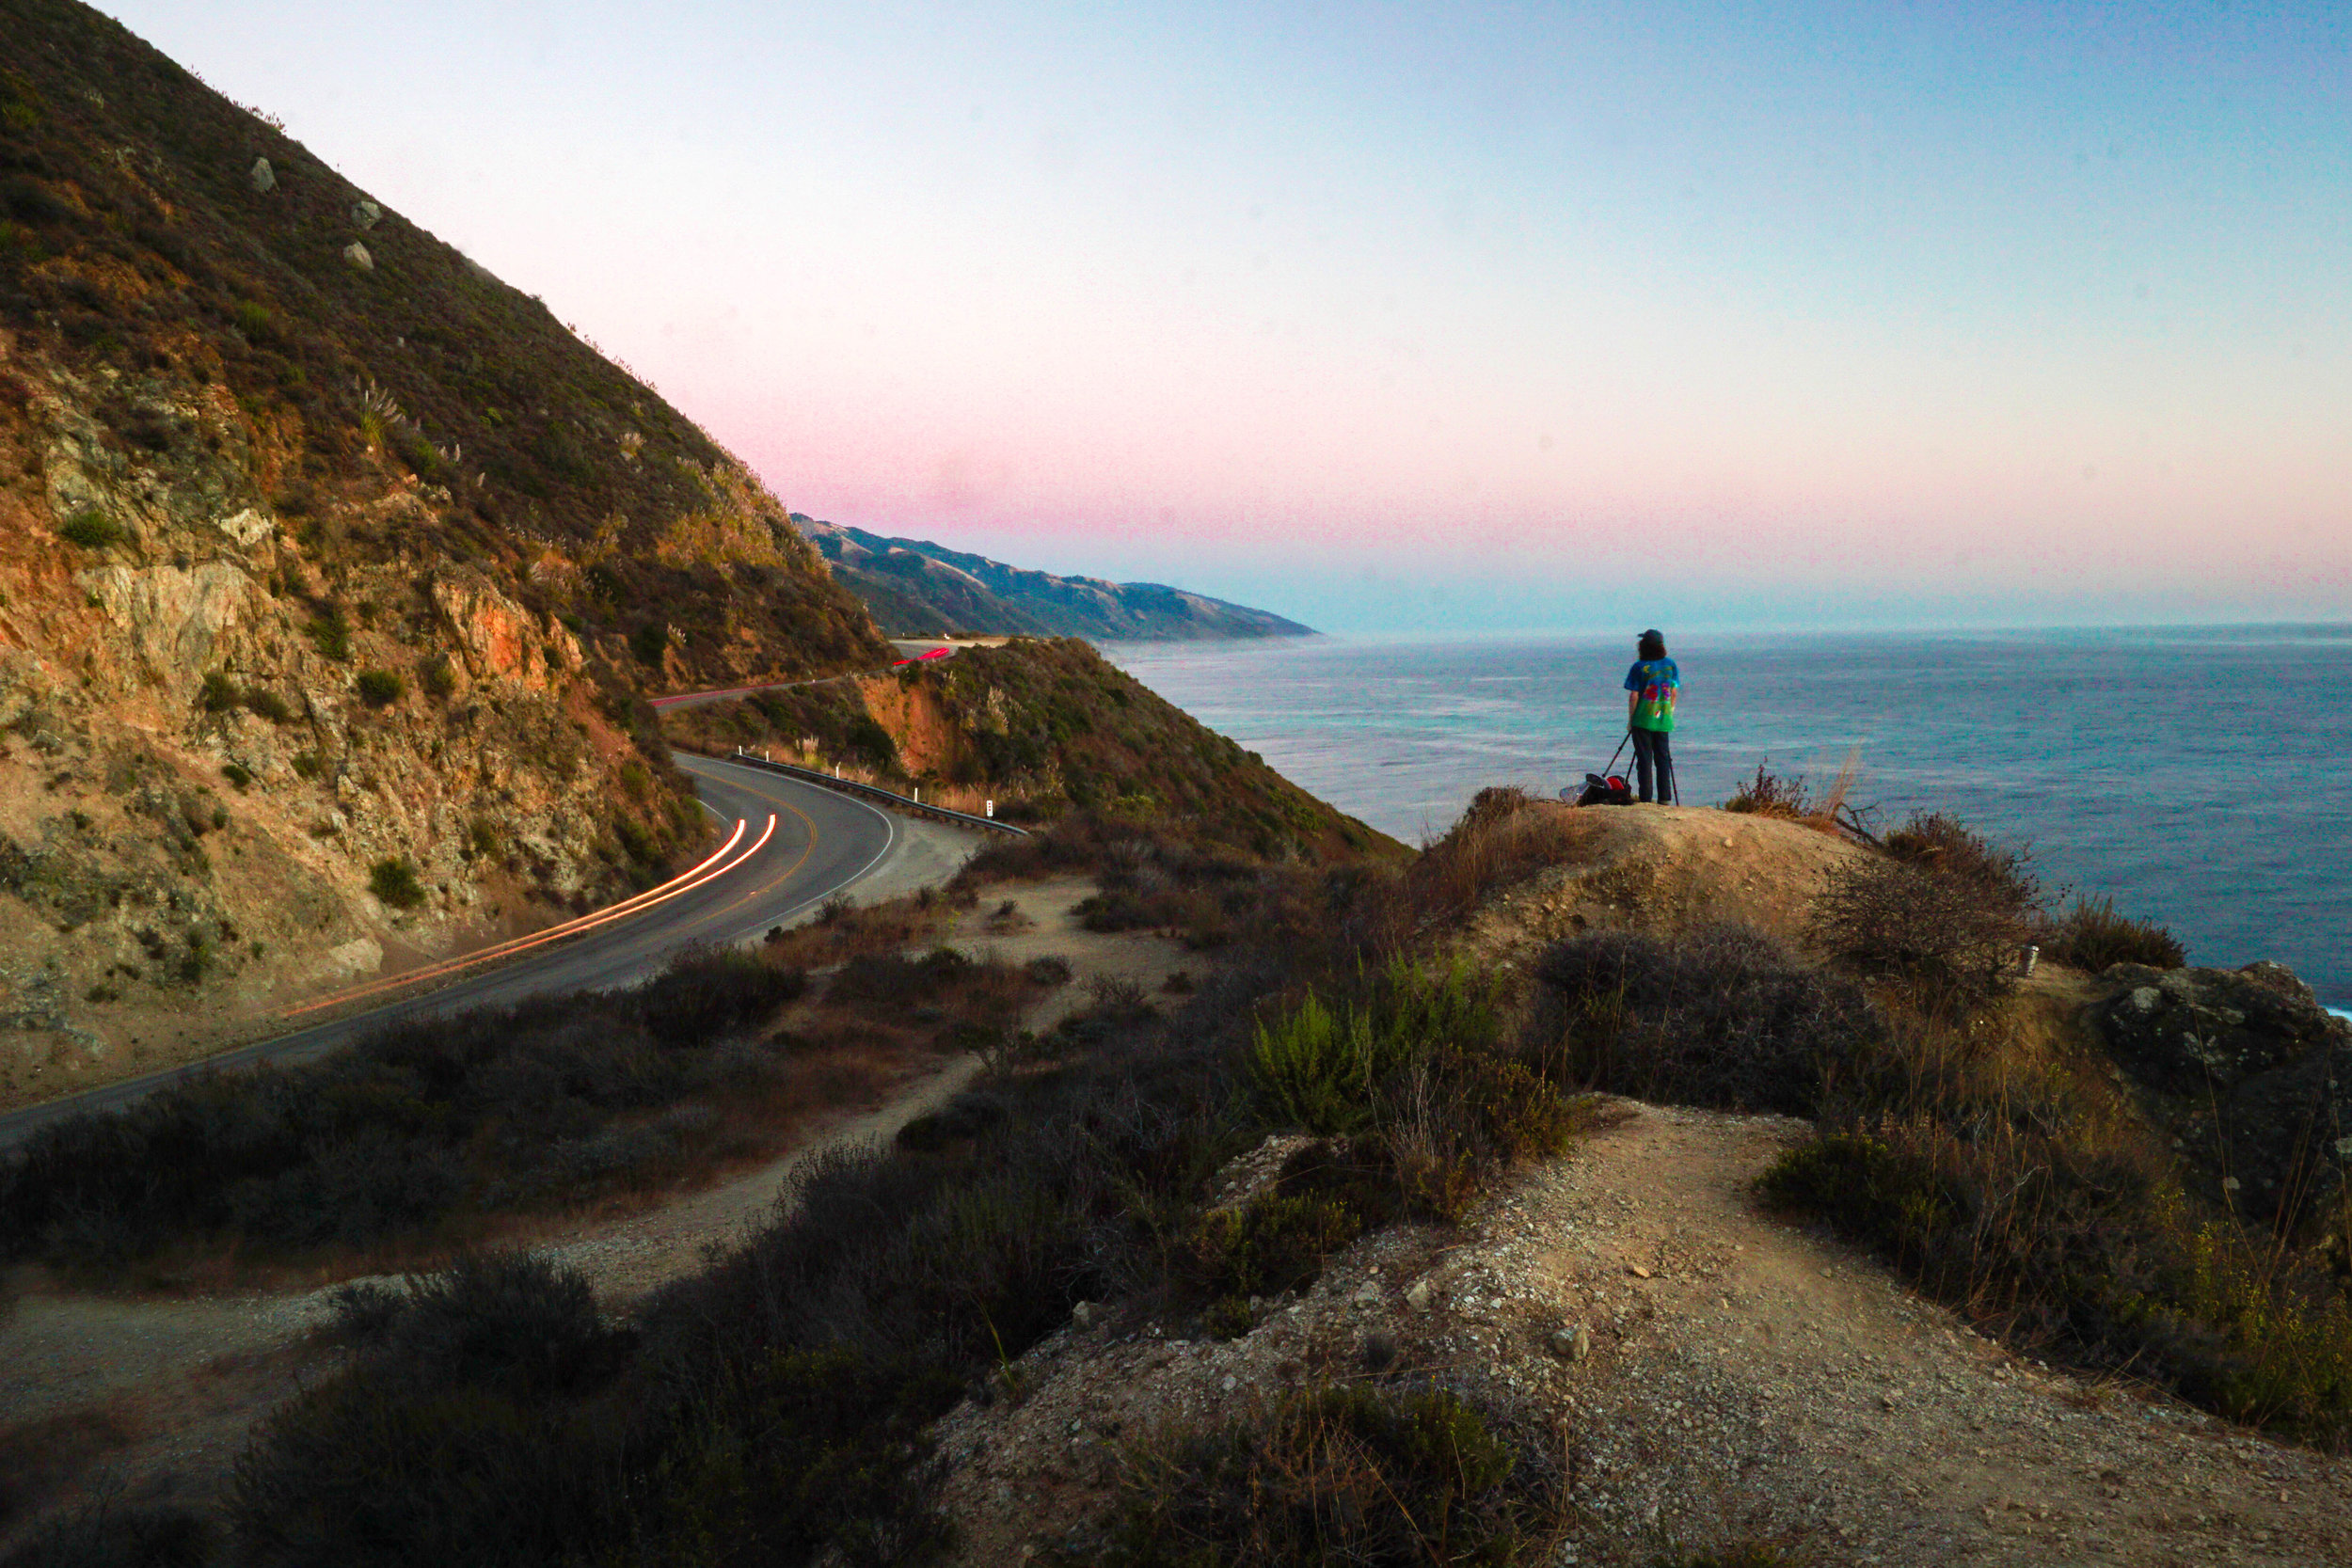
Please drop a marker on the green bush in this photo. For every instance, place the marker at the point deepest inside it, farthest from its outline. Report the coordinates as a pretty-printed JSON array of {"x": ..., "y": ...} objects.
[
  {"x": 438, "y": 677},
  {"x": 236, "y": 774},
  {"x": 1319, "y": 1069},
  {"x": 394, "y": 881},
  {"x": 218, "y": 694},
  {"x": 2092, "y": 935},
  {"x": 306, "y": 765},
  {"x": 91, "y": 529},
  {"x": 1872, "y": 1192},
  {"x": 331, "y": 635},
  {"x": 1316, "y": 1069},
  {"x": 649, "y": 642},
  {"x": 267, "y": 704},
  {"x": 1269, "y": 1246},
  {"x": 380, "y": 688}
]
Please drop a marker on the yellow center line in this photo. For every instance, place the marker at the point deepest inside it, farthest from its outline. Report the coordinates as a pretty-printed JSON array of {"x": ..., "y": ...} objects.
[{"x": 788, "y": 871}]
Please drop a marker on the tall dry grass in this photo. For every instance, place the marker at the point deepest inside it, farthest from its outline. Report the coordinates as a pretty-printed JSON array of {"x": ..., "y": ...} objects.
[
  {"x": 1788, "y": 797},
  {"x": 1506, "y": 836}
]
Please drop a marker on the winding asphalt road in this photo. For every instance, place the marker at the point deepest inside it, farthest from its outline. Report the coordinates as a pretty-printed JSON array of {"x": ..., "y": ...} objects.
[{"x": 821, "y": 843}]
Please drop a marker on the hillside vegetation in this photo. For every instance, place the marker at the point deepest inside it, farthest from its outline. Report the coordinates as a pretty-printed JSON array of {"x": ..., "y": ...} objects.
[
  {"x": 332, "y": 569},
  {"x": 1044, "y": 728},
  {"x": 917, "y": 589}
]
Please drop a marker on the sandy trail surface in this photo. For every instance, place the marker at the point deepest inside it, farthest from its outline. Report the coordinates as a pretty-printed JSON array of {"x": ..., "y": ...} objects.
[
  {"x": 171, "y": 1387},
  {"x": 1735, "y": 1379}
]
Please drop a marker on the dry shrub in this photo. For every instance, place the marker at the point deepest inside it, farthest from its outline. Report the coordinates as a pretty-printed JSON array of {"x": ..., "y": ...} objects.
[
  {"x": 1506, "y": 836},
  {"x": 1771, "y": 794},
  {"x": 417, "y": 1133},
  {"x": 1941, "y": 912},
  {"x": 843, "y": 930},
  {"x": 2004, "y": 1172},
  {"x": 1337, "y": 1474},
  {"x": 2092, "y": 935},
  {"x": 1784, "y": 795},
  {"x": 42, "y": 1456},
  {"x": 1718, "y": 1016},
  {"x": 109, "y": 1534}
]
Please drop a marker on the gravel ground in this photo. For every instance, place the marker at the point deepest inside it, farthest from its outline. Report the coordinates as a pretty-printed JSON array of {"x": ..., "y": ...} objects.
[{"x": 1698, "y": 1373}]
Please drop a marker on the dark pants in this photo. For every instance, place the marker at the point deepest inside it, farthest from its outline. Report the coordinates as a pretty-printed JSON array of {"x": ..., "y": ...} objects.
[{"x": 1654, "y": 759}]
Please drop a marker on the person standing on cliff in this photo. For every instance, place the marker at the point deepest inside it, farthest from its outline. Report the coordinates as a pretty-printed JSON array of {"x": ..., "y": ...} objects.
[{"x": 1650, "y": 689}]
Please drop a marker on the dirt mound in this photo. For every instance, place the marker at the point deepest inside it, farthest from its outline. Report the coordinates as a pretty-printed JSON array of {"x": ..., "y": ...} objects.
[{"x": 1663, "y": 868}]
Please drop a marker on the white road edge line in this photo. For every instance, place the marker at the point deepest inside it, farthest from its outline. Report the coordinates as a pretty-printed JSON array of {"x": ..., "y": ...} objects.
[{"x": 890, "y": 840}]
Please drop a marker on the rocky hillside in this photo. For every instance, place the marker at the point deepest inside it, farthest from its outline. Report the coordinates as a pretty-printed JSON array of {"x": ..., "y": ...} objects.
[
  {"x": 1042, "y": 728},
  {"x": 331, "y": 571},
  {"x": 917, "y": 589}
]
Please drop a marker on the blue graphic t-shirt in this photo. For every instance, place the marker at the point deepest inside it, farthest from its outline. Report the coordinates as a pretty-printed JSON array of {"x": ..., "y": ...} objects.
[{"x": 1657, "y": 681}]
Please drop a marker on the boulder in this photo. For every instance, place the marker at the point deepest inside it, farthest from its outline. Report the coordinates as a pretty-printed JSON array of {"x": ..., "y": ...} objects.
[
  {"x": 2191, "y": 1030},
  {"x": 265, "y": 178},
  {"x": 2247, "y": 1070},
  {"x": 367, "y": 214},
  {"x": 357, "y": 254}
]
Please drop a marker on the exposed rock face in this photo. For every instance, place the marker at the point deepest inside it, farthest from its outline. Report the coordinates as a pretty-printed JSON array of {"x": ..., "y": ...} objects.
[
  {"x": 316, "y": 554},
  {"x": 503, "y": 641},
  {"x": 193, "y": 792},
  {"x": 2248, "y": 1071}
]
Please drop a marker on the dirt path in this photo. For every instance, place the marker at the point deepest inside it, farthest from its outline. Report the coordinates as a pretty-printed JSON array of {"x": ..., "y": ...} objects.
[
  {"x": 1738, "y": 1379},
  {"x": 624, "y": 1259},
  {"x": 168, "y": 1389}
]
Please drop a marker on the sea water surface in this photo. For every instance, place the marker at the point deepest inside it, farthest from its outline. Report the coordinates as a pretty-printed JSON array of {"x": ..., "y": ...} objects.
[{"x": 2201, "y": 777}]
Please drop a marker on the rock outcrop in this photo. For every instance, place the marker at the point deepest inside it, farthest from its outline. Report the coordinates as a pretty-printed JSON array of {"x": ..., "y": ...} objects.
[{"x": 2248, "y": 1070}]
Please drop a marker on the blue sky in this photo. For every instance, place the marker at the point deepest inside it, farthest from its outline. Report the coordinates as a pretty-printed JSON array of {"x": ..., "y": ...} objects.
[{"x": 1398, "y": 316}]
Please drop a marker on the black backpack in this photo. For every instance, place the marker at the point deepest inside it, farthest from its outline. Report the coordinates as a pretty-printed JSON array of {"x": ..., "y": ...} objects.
[{"x": 1600, "y": 791}]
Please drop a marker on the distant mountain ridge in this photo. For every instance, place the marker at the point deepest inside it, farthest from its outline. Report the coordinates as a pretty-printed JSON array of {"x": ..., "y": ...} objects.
[{"x": 914, "y": 588}]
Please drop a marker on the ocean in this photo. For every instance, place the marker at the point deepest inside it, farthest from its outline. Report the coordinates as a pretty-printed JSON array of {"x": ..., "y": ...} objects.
[{"x": 2199, "y": 776}]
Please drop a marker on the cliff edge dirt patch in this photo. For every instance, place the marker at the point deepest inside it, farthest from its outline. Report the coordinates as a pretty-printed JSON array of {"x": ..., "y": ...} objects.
[{"x": 1663, "y": 868}]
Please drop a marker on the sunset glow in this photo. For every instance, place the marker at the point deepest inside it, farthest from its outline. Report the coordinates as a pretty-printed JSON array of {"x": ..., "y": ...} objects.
[{"x": 1397, "y": 316}]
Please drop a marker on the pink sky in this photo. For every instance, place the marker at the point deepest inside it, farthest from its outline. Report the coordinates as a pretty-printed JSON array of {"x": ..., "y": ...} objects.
[{"x": 1429, "y": 316}]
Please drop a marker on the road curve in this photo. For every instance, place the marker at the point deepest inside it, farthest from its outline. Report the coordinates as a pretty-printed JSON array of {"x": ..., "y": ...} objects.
[{"x": 821, "y": 844}]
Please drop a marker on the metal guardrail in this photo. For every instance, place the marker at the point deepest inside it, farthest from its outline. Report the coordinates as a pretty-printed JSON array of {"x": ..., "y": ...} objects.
[{"x": 852, "y": 787}]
